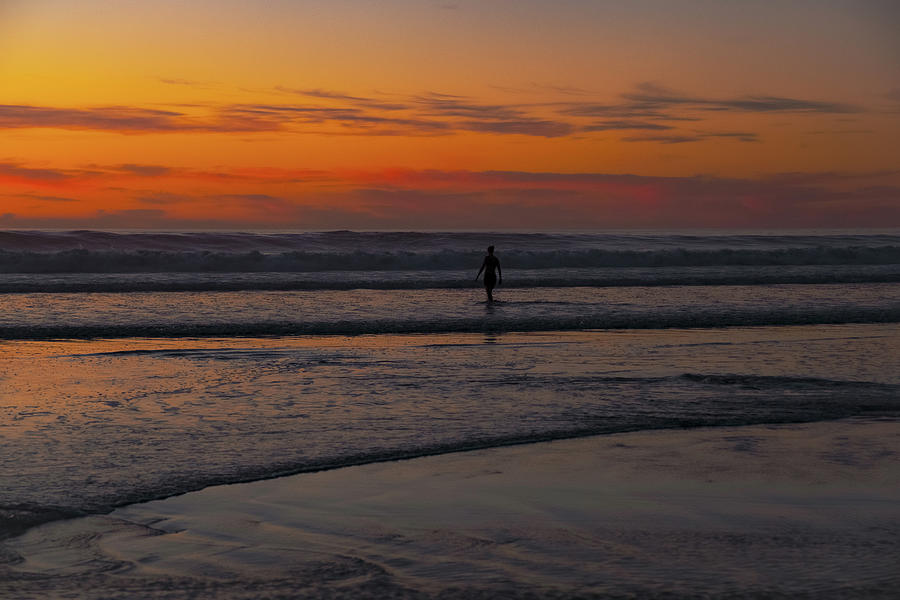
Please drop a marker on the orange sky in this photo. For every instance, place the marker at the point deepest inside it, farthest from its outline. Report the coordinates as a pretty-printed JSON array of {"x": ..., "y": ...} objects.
[{"x": 418, "y": 114}]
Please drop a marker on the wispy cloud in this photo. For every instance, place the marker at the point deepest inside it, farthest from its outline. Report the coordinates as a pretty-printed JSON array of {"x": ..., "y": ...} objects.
[
  {"x": 654, "y": 97},
  {"x": 356, "y": 120},
  {"x": 617, "y": 111},
  {"x": 355, "y": 100},
  {"x": 23, "y": 173},
  {"x": 145, "y": 170},
  {"x": 650, "y": 104},
  {"x": 468, "y": 115},
  {"x": 17, "y": 171},
  {"x": 111, "y": 118},
  {"x": 429, "y": 113},
  {"x": 446, "y": 105},
  {"x": 648, "y": 107},
  {"x": 178, "y": 81},
  {"x": 349, "y": 118},
  {"x": 684, "y": 138},
  {"x": 664, "y": 139},
  {"x": 43, "y": 198},
  {"x": 742, "y": 136},
  {"x": 624, "y": 125},
  {"x": 123, "y": 119},
  {"x": 534, "y": 127}
]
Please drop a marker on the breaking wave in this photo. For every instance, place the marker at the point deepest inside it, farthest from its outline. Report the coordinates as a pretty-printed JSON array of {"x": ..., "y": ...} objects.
[
  {"x": 108, "y": 252},
  {"x": 142, "y": 261},
  {"x": 682, "y": 319}
]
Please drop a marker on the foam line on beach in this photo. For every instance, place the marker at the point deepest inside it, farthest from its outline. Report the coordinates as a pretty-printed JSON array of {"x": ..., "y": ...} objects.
[{"x": 711, "y": 512}]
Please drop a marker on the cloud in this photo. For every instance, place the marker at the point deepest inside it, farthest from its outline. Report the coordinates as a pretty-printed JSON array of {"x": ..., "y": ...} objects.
[
  {"x": 177, "y": 81},
  {"x": 135, "y": 218},
  {"x": 521, "y": 126},
  {"x": 145, "y": 170},
  {"x": 48, "y": 198},
  {"x": 840, "y": 131},
  {"x": 122, "y": 219},
  {"x": 832, "y": 179},
  {"x": 140, "y": 213},
  {"x": 743, "y": 136},
  {"x": 652, "y": 105},
  {"x": 356, "y": 100},
  {"x": 432, "y": 113},
  {"x": 776, "y": 103},
  {"x": 398, "y": 198},
  {"x": 618, "y": 111},
  {"x": 625, "y": 124},
  {"x": 648, "y": 107},
  {"x": 448, "y": 199},
  {"x": 568, "y": 90},
  {"x": 162, "y": 198},
  {"x": 18, "y": 172},
  {"x": 492, "y": 118},
  {"x": 352, "y": 118},
  {"x": 664, "y": 139},
  {"x": 527, "y": 200},
  {"x": 254, "y": 205},
  {"x": 694, "y": 137},
  {"x": 123, "y": 119},
  {"x": 21, "y": 173},
  {"x": 256, "y": 201},
  {"x": 445, "y": 105},
  {"x": 110, "y": 118},
  {"x": 652, "y": 96}
]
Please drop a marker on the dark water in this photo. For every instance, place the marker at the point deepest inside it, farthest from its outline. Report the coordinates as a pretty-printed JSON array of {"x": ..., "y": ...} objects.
[{"x": 141, "y": 365}]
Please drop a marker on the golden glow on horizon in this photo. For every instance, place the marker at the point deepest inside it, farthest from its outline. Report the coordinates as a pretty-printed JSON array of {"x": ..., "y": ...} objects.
[{"x": 112, "y": 112}]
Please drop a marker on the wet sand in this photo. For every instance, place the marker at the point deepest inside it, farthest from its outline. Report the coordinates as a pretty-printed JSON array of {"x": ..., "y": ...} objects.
[{"x": 805, "y": 510}]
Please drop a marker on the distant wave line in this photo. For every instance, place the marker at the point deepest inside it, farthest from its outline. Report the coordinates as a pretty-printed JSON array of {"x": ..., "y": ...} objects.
[
  {"x": 680, "y": 320},
  {"x": 159, "y": 261},
  {"x": 411, "y": 280}
]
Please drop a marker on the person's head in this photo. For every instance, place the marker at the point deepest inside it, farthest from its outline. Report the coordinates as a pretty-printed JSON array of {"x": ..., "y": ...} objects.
[{"x": 490, "y": 249}]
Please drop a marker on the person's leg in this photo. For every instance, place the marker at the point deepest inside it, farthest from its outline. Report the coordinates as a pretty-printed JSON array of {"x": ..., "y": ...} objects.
[{"x": 490, "y": 280}]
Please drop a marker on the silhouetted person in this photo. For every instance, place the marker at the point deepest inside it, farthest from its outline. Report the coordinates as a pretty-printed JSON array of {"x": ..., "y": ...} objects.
[{"x": 490, "y": 278}]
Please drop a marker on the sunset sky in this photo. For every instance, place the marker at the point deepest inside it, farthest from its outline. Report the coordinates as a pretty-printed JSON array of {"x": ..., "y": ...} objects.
[{"x": 403, "y": 114}]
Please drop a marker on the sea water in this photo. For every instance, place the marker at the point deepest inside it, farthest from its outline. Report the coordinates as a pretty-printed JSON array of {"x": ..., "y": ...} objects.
[{"x": 138, "y": 365}]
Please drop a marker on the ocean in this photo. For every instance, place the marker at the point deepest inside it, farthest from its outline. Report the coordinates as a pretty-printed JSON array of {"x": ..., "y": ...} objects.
[{"x": 141, "y": 365}]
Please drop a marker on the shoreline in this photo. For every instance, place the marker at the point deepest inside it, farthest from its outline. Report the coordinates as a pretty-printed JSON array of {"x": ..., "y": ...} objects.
[
  {"x": 679, "y": 512},
  {"x": 278, "y": 405}
]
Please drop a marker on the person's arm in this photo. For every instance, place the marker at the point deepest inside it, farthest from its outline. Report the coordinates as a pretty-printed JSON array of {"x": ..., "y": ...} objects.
[
  {"x": 481, "y": 269},
  {"x": 500, "y": 273}
]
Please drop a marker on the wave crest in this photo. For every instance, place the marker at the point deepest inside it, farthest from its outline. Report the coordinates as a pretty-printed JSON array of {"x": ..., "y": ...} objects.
[{"x": 151, "y": 261}]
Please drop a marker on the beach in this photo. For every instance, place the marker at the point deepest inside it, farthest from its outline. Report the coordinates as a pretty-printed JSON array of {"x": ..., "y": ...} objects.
[
  {"x": 799, "y": 511},
  {"x": 636, "y": 415}
]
